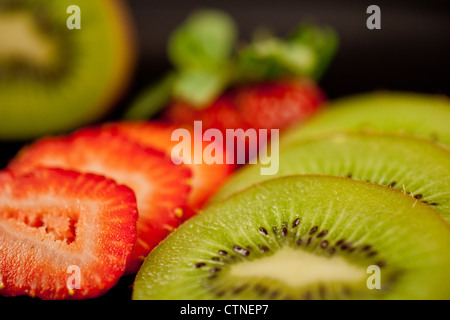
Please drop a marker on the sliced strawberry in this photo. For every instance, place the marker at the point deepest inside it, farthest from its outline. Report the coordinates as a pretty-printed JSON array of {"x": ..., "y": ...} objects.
[
  {"x": 207, "y": 177},
  {"x": 160, "y": 186},
  {"x": 278, "y": 104},
  {"x": 57, "y": 224}
]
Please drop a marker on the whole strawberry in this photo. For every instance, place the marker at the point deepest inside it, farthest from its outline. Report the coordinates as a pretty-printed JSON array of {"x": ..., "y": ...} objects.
[{"x": 278, "y": 104}]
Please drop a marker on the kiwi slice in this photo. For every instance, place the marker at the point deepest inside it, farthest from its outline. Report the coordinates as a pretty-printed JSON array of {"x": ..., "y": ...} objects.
[
  {"x": 53, "y": 78},
  {"x": 304, "y": 237},
  {"x": 416, "y": 166},
  {"x": 415, "y": 114}
]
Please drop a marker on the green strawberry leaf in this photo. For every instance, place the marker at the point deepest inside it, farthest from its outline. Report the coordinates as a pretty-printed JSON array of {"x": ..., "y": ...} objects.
[
  {"x": 206, "y": 39},
  {"x": 323, "y": 41},
  {"x": 198, "y": 87},
  {"x": 307, "y": 52},
  {"x": 152, "y": 100},
  {"x": 274, "y": 58}
]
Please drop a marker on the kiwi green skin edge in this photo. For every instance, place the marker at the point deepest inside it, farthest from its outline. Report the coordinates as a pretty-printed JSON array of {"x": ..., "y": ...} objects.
[
  {"x": 420, "y": 165},
  {"x": 407, "y": 235},
  {"x": 105, "y": 57},
  {"x": 396, "y": 112}
]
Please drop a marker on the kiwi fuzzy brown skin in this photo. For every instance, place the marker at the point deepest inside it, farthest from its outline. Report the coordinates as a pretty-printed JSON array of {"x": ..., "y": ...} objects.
[
  {"x": 423, "y": 115},
  {"x": 90, "y": 68},
  {"x": 416, "y": 166},
  {"x": 337, "y": 220}
]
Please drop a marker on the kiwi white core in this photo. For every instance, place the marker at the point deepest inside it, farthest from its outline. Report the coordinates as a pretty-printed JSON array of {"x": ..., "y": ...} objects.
[
  {"x": 19, "y": 38},
  {"x": 298, "y": 268}
]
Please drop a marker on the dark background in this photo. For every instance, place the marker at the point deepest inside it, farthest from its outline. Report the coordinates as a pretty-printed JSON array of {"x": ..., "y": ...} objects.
[{"x": 410, "y": 53}]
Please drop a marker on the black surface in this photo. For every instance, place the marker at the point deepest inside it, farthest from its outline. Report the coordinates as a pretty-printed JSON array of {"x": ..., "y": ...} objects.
[{"x": 409, "y": 53}]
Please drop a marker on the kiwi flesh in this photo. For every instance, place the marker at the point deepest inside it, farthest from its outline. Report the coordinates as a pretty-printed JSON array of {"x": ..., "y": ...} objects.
[
  {"x": 396, "y": 112},
  {"x": 416, "y": 166},
  {"x": 303, "y": 237},
  {"x": 54, "y": 79}
]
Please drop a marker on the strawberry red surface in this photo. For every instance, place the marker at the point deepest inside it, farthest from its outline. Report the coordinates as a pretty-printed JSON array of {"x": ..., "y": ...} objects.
[
  {"x": 222, "y": 114},
  {"x": 267, "y": 105},
  {"x": 52, "y": 220},
  {"x": 206, "y": 178},
  {"x": 278, "y": 104},
  {"x": 161, "y": 188}
]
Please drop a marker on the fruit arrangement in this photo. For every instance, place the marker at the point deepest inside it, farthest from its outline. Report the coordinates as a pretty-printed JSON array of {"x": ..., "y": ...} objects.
[
  {"x": 363, "y": 182},
  {"x": 311, "y": 231}
]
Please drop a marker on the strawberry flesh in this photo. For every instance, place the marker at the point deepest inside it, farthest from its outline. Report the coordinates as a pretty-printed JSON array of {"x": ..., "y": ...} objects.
[
  {"x": 206, "y": 177},
  {"x": 52, "y": 220},
  {"x": 160, "y": 186}
]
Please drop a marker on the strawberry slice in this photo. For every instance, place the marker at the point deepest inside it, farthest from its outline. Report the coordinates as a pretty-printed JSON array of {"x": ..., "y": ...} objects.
[
  {"x": 207, "y": 177},
  {"x": 160, "y": 186},
  {"x": 63, "y": 234},
  {"x": 278, "y": 104}
]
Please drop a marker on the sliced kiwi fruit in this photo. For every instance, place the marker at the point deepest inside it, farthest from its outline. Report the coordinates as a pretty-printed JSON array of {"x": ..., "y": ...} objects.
[
  {"x": 304, "y": 237},
  {"x": 53, "y": 78},
  {"x": 416, "y": 166},
  {"x": 411, "y": 113}
]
